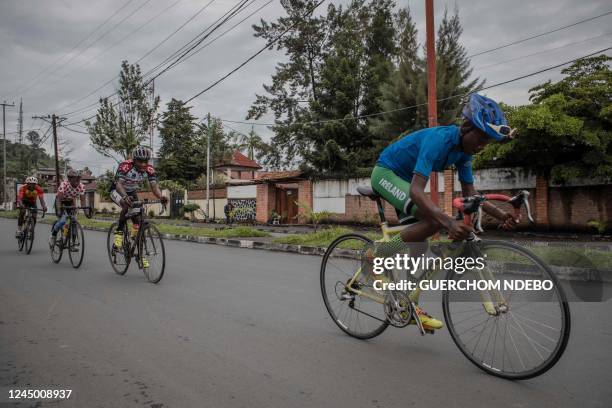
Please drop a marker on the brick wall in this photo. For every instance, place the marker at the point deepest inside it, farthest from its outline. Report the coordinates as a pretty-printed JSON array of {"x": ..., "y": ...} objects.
[
  {"x": 541, "y": 202},
  {"x": 201, "y": 194},
  {"x": 266, "y": 199},
  {"x": 361, "y": 209},
  {"x": 573, "y": 207},
  {"x": 304, "y": 196}
]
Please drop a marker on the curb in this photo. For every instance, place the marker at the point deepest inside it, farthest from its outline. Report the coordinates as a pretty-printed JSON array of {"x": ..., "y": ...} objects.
[
  {"x": 563, "y": 273},
  {"x": 245, "y": 243}
]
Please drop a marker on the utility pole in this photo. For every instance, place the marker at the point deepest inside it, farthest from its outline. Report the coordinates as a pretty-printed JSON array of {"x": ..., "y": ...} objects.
[
  {"x": 4, "y": 105},
  {"x": 21, "y": 122},
  {"x": 208, "y": 136},
  {"x": 55, "y": 120},
  {"x": 152, "y": 118},
  {"x": 432, "y": 107}
]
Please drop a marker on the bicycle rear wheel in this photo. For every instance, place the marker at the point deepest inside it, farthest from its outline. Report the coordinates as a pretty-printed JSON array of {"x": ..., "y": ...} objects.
[
  {"x": 151, "y": 248},
  {"x": 358, "y": 316},
  {"x": 76, "y": 244},
  {"x": 118, "y": 257},
  {"x": 528, "y": 331},
  {"x": 29, "y": 239}
]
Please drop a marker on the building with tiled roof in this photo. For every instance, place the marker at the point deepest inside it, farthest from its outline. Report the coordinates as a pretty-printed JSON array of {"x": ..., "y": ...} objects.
[{"x": 238, "y": 168}]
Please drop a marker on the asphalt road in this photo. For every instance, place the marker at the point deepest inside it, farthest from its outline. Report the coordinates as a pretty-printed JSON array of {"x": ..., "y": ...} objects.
[{"x": 230, "y": 327}]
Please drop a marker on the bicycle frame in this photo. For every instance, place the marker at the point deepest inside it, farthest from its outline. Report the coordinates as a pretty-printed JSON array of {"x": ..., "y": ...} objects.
[
  {"x": 142, "y": 222},
  {"x": 493, "y": 300}
]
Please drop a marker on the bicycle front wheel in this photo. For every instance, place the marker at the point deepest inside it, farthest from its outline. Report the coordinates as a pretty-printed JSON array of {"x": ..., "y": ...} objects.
[
  {"x": 508, "y": 332},
  {"x": 357, "y": 314},
  {"x": 76, "y": 245},
  {"x": 29, "y": 239},
  {"x": 152, "y": 253},
  {"x": 118, "y": 257},
  {"x": 21, "y": 240}
]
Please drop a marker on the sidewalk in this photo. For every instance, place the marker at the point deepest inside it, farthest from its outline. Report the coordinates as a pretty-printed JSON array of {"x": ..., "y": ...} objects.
[{"x": 522, "y": 235}]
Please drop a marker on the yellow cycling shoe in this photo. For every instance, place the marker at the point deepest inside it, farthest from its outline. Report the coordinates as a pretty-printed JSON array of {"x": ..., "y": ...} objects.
[
  {"x": 118, "y": 240},
  {"x": 145, "y": 263},
  {"x": 428, "y": 322}
]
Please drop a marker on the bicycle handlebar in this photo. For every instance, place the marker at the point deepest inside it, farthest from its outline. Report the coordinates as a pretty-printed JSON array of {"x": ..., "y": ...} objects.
[
  {"x": 35, "y": 210},
  {"x": 140, "y": 203},
  {"x": 473, "y": 204},
  {"x": 88, "y": 214}
]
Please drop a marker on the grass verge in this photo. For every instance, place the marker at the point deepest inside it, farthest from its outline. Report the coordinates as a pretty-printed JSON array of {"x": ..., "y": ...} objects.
[
  {"x": 239, "y": 232},
  {"x": 320, "y": 238}
]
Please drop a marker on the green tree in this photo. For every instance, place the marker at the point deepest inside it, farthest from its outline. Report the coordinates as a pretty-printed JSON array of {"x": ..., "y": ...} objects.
[
  {"x": 251, "y": 142},
  {"x": 121, "y": 126},
  {"x": 180, "y": 156},
  {"x": 333, "y": 145},
  {"x": 567, "y": 131},
  {"x": 295, "y": 82},
  {"x": 404, "y": 87},
  {"x": 405, "y": 95},
  {"x": 103, "y": 184},
  {"x": 336, "y": 65},
  {"x": 366, "y": 60},
  {"x": 453, "y": 72},
  {"x": 220, "y": 144}
]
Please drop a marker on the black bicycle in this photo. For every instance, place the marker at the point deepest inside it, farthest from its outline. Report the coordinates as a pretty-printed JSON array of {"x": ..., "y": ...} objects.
[
  {"x": 146, "y": 246},
  {"x": 26, "y": 238},
  {"x": 71, "y": 237}
]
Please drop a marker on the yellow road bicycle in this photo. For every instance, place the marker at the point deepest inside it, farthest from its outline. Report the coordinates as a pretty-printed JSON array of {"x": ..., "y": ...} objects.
[{"x": 502, "y": 328}]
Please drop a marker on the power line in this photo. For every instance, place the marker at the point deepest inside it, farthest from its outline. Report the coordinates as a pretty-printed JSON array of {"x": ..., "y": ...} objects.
[
  {"x": 421, "y": 104},
  {"x": 96, "y": 40},
  {"x": 226, "y": 31},
  {"x": 176, "y": 61},
  {"x": 234, "y": 10},
  {"x": 544, "y": 51},
  {"x": 538, "y": 35},
  {"x": 25, "y": 131},
  {"x": 270, "y": 43},
  {"x": 75, "y": 131},
  {"x": 190, "y": 19},
  {"x": 31, "y": 81},
  {"x": 122, "y": 39}
]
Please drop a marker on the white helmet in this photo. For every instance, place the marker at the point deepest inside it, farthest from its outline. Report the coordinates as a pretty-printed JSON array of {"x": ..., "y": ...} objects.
[{"x": 31, "y": 180}]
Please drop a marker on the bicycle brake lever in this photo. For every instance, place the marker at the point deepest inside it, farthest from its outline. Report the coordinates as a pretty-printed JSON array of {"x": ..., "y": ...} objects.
[{"x": 529, "y": 211}]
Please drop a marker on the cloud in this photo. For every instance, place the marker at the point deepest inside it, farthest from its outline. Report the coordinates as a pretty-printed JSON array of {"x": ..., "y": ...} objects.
[{"x": 36, "y": 34}]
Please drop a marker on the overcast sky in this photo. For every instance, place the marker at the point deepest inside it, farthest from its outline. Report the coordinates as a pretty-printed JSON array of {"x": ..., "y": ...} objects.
[{"x": 42, "y": 35}]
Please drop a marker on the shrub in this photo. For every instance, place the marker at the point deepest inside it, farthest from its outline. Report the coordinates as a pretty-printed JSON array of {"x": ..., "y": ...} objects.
[
  {"x": 599, "y": 226},
  {"x": 310, "y": 216},
  {"x": 191, "y": 208}
]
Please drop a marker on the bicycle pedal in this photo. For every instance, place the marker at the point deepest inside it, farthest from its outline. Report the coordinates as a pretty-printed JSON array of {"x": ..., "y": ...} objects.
[{"x": 429, "y": 331}]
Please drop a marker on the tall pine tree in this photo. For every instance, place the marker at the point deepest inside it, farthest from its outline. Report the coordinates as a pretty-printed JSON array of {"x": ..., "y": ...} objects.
[{"x": 179, "y": 154}]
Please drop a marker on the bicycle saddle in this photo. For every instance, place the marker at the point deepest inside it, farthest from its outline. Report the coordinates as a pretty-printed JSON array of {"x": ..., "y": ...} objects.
[{"x": 367, "y": 191}]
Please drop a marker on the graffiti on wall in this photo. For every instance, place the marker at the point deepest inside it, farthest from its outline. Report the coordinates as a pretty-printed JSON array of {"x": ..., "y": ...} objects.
[{"x": 244, "y": 209}]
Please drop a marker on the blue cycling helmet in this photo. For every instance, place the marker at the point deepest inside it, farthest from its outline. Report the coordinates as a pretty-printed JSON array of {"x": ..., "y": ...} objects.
[{"x": 487, "y": 116}]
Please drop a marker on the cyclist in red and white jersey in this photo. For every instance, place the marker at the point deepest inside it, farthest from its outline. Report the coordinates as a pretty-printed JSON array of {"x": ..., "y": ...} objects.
[
  {"x": 128, "y": 180},
  {"x": 67, "y": 193}
]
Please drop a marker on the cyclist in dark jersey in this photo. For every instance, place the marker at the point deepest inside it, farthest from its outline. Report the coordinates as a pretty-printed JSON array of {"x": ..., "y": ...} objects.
[
  {"x": 124, "y": 190},
  {"x": 403, "y": 168}
]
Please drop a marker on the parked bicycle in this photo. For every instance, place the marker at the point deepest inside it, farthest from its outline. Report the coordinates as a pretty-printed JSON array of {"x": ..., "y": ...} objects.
[
  {"x": 71, "y": 237},
  {"x": 145, "y": 245},
  {"x": 507, "y": 333},
  {"x": 26, "y": 238}
]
